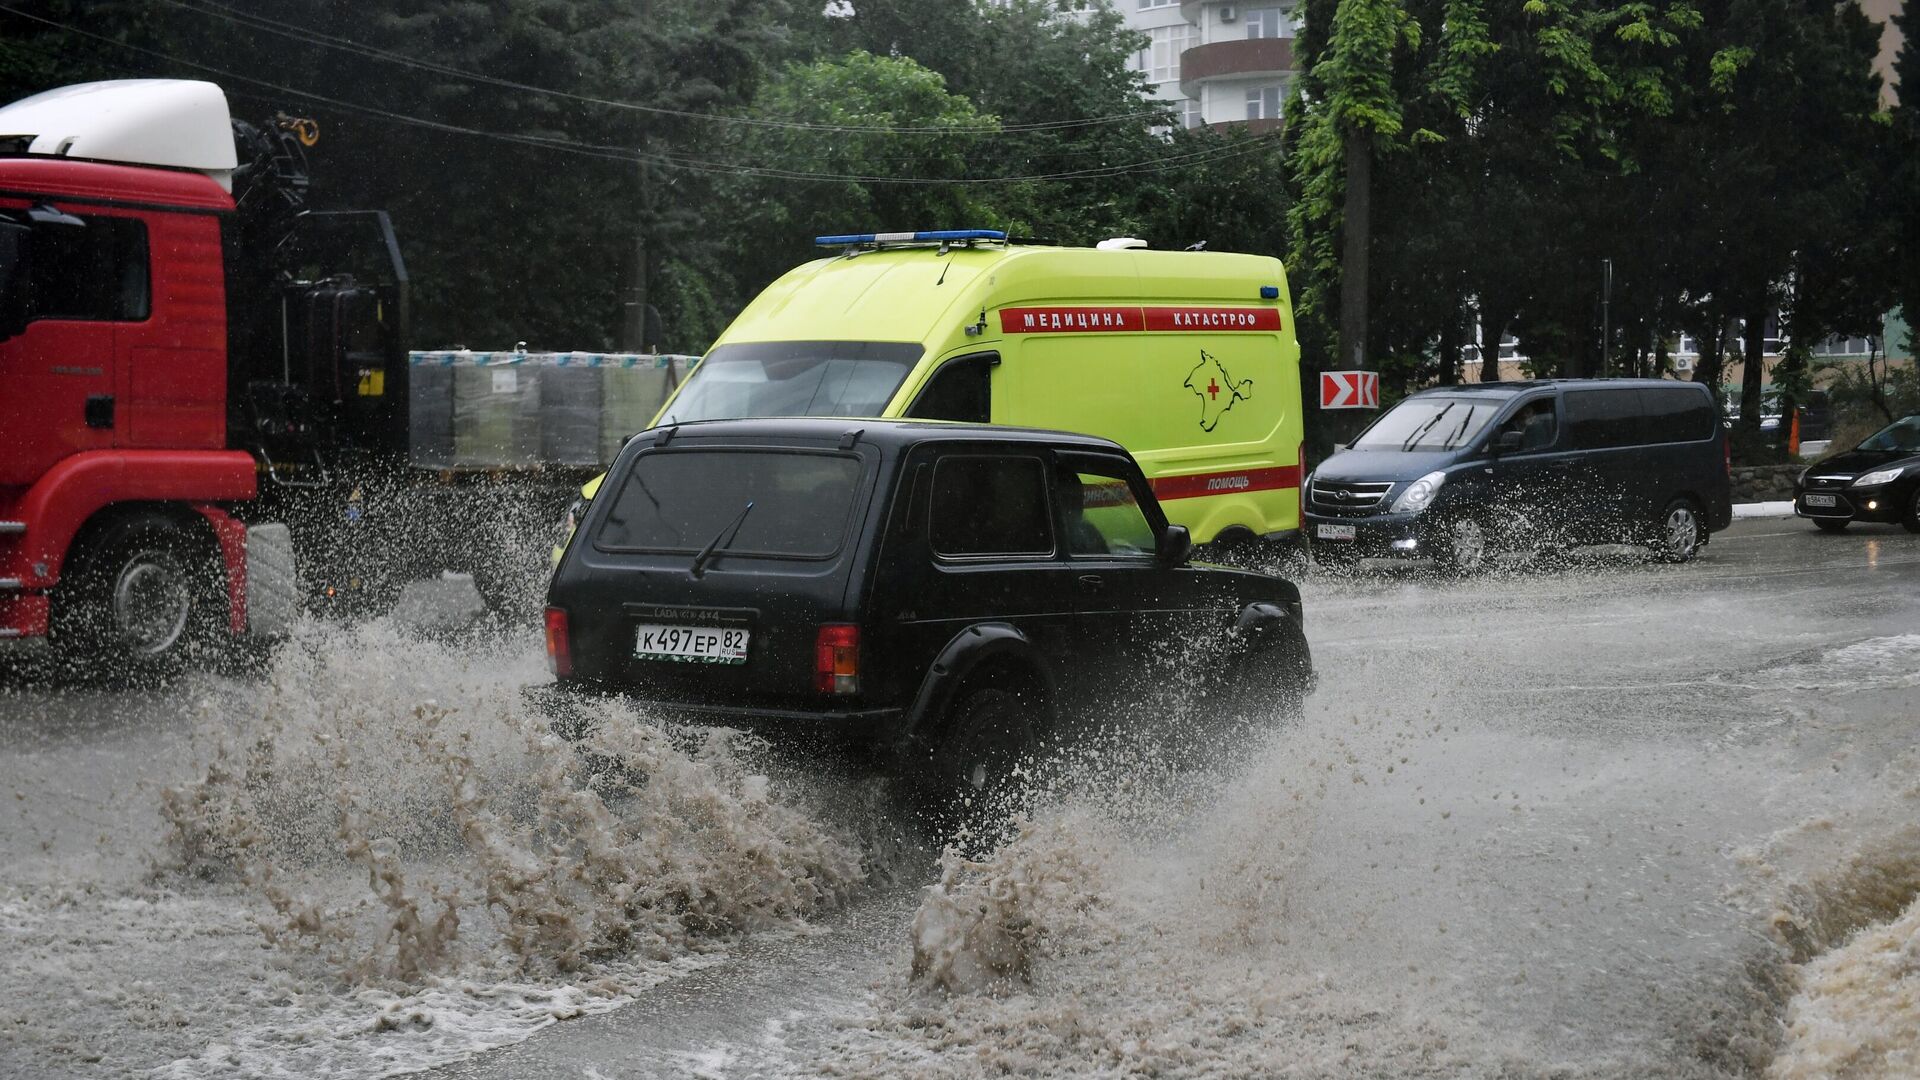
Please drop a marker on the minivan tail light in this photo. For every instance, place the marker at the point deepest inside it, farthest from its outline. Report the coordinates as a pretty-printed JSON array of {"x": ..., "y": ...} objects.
[
  {"x": 559, "y": 643},
  {"x": 836, "y": 659}
]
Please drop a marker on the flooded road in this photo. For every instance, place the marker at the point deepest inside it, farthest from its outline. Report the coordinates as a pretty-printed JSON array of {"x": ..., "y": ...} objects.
[{"x": 1603, "y": 819}]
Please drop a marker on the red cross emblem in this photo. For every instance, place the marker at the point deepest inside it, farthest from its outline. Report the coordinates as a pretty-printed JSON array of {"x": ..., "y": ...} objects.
[{"x": 1213, "y": 388}]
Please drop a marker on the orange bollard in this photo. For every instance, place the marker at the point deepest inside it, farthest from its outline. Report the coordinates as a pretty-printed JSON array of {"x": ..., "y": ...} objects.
[{"x": 1793, "y": 435}]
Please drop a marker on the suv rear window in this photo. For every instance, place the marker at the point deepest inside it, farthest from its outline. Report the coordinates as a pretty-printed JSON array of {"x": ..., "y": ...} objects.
[{"x": 680, "y": 500}]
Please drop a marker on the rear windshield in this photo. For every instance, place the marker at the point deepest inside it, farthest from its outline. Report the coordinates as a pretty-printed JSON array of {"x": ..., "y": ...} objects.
[
  {"x": 794, "y": 378},
  {"x": 681, "y": 500},
  {"x": 1431, "y": 423}
]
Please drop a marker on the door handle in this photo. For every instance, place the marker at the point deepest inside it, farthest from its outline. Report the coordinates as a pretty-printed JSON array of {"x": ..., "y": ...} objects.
[
  {"x": 1092, "y": 583},
  {"x": 99, "y": 410}
]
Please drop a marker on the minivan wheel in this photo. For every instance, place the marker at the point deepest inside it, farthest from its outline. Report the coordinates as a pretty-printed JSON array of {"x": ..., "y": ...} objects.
[
  {"x": 1464, "y": 546},
  {"x": 1679, "y": 532},
  {"x": 1832, "y": 525}
]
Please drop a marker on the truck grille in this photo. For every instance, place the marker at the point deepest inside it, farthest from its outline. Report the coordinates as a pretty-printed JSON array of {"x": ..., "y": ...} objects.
[{"x": 1346, "y": 497}]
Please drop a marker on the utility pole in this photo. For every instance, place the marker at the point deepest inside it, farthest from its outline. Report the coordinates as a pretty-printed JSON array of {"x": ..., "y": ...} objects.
[
  {"x": 1606, "y": 315},
  {"x": 1354, "y": 273},
  {"x": 633, "y": 329}
]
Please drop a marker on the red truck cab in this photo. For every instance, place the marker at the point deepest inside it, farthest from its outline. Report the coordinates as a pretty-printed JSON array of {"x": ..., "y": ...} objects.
[{"x": 117, "y": 480}]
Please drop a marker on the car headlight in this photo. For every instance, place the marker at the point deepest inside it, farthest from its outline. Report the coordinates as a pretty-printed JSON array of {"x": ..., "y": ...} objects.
[
  {"x": 1878, "y": 476},
  {"x": 1419, "y": 493}
]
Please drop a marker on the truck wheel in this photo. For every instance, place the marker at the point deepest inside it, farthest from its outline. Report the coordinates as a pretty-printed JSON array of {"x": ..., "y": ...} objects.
[
  {"x": 139, "y": 598},
  {"x": 1678, "y": 533},
  {"x": 1832, "y": 525}
]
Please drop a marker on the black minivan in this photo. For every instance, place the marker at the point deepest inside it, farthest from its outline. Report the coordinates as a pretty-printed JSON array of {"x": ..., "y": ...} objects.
[
  {"x": 1457, "y": 473},
  {"x": 943, "y": 592}
]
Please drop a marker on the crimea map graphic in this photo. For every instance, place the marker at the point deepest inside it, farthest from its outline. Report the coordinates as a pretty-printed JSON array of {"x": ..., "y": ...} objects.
[{"x": 1216, "y": 390}]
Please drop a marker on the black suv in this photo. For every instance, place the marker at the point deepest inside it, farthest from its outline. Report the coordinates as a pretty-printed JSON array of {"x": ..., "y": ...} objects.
[{"x": 947, "y": 592}]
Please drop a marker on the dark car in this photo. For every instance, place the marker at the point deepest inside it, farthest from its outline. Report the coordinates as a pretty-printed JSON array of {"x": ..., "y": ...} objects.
[
  {"x": 945, "y": 592},
  {"x": 1457, "y": 473},
  {"x": 1879, "y": 480}
]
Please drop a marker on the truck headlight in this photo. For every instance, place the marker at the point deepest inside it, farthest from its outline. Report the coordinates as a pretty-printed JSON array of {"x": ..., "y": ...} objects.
[
  {"x": 1419, "y": 493},
  {"x": 1878, "y": 476}
]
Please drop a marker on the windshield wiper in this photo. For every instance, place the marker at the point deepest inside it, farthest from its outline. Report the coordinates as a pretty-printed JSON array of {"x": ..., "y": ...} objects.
[
  {"x": 1426, "y": 427},
  {"x": 714, "y": 547}
]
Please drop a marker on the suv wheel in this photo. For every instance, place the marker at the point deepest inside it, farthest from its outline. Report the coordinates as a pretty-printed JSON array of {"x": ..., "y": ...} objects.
[
  {"x": 989, "y": 730},
  {"x": 1833, "y": 525},
  {"x": 1463, "y": 546},
  {"x": 1679, "y": 534}
]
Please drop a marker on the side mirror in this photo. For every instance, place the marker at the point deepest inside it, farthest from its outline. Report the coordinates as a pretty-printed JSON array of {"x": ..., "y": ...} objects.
[
  {"x": 1175, "y": 545},
  {"x": 1508, "y": 442},
  {"x": 16, "y": 255}
]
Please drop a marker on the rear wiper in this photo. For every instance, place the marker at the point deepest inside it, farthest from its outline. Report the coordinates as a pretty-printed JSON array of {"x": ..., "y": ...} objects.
[{"x": 714, "y": 547}]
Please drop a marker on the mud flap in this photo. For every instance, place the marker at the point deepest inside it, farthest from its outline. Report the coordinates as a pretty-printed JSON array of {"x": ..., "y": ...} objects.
[{"x": 273, "y": 581}]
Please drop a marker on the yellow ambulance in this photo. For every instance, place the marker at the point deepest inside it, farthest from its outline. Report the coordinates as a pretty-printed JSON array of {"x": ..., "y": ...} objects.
[{"x": 1186, "y": 358}]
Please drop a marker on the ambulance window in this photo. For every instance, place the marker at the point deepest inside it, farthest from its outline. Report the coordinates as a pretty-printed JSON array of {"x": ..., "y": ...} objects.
[
  {"x": 1100, "y": 516},
  {"x": 961, "y": 390}
]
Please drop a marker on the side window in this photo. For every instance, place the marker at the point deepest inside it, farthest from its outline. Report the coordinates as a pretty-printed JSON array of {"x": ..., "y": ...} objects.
[
  {"x": 96, "y": 271},
  {"x": 1603, "y": 419},
  {"x": 960, "y": 390},
  {"x": 989, "y": 505},
  {"x": 1680, "y": 414},
  {"x": 1537, "y": 423},
  {"x": 1099, "y": 515}
]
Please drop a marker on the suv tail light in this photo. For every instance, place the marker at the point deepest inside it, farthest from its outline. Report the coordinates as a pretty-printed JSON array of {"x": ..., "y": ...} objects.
[
  {"x": 559, "y": 643},
  {"x": 836, "y": 659}
]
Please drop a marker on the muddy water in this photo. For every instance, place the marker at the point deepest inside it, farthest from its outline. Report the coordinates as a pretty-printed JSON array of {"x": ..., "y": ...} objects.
[{"x": 1614, "y": 821}]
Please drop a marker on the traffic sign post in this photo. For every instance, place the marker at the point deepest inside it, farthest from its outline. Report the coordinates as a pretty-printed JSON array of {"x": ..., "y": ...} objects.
[{"x": 1349, "y": 390}]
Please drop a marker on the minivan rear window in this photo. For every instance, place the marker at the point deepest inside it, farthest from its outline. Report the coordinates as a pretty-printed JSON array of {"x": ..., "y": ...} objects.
[
  {"x": 681, "y": 500},
  {"x": 794, "y": 378},
  {"x": 1431, "y": 423}
]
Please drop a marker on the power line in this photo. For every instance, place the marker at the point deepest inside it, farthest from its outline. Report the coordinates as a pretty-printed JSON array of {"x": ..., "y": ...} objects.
[
  {"x": 668, "y": 160},
  {"x": 213, "y": 9}
]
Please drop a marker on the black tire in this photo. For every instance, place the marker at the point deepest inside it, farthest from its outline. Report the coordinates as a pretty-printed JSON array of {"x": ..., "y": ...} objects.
[
  {"x": 1463, "y": 546},
  {"x": 1679, "y": 531},
  {"x": 1832, "y": 525},
  {"x": 142, "y": 596},
  {"x": 971, "y": 783}
]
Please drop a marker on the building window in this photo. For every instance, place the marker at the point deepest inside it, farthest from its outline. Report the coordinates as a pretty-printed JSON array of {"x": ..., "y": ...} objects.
[
  {"x": 1149, "y": 5},
  {"x": 1847, "y": 346},
  {"x": 1263, "y": 103},
  {"x": 1164, "y": 54},
  {"x": 1268, "y": 22},
  {"x": 1190, "y": 115}
]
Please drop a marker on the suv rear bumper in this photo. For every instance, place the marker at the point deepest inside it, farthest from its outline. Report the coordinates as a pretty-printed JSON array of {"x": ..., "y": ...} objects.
[{"x": 560, "y": 704}]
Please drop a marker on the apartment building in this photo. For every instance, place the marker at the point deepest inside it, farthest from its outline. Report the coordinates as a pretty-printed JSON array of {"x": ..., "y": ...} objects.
[{"x": 1215, "y": 62}]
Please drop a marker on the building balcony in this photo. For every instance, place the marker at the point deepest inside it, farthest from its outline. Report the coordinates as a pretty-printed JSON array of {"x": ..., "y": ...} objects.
[{"x": 1236, "y": 58}]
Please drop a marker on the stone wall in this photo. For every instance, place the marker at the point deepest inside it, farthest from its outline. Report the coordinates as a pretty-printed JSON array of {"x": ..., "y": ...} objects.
[{"x": 1764, "y": 483}]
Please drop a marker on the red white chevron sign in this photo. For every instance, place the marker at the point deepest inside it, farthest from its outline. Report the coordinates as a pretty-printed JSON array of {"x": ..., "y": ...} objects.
[{"x": 1349, "y": 389}]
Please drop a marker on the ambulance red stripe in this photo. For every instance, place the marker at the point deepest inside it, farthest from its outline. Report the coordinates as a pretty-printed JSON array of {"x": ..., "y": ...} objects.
[
  {"x": 1237, "y": 482},
  {"x": 1110, "y": 320}
]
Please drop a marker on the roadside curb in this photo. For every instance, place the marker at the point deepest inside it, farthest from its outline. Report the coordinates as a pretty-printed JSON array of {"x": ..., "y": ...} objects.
[{"x": 1781, "y": 509}]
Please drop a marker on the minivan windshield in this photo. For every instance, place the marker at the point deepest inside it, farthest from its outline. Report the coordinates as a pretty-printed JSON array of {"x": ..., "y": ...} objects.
[
  {"x": 1901, "y": 436},
  {"x": 1430, "y": 423},
  {"x": 794, "y": 378},
  {"x": 681, "y": 500}
]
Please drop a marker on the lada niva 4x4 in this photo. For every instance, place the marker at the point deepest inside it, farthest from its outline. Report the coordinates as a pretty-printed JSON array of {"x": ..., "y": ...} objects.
[{"x": 946, "y": 593}]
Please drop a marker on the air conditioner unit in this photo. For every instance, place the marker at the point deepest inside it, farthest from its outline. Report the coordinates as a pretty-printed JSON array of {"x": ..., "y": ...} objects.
[
  {"x": 1682, "y": 363},
  {"x": 1228, "y": 13}
]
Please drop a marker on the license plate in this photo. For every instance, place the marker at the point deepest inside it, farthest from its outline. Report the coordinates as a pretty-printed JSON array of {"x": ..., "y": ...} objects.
[
  {"x": 1333, "y": 532},
  {"x": 691, "y": 644},
  {"x": 1821, "y": 500}
]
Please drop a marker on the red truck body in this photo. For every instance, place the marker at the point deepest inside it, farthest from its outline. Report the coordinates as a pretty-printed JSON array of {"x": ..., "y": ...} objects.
[{"x": 100, "y": 413}]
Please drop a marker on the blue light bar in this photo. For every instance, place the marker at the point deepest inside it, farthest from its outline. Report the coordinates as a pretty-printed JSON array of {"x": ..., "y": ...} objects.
[{"x": 933, "y": 236}]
